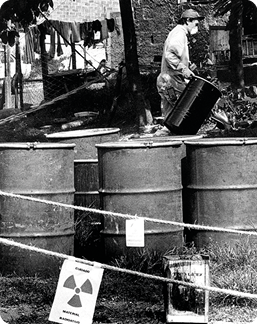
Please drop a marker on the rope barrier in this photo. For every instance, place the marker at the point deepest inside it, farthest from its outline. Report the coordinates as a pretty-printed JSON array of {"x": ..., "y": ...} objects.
[
  {"x": 126, "y": 216},
  {"x": 113, "y": 268},
  {"x": 127, "y": 271}
]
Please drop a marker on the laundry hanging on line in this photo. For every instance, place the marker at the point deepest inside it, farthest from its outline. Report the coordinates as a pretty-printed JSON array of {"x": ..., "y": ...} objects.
[{"x": 70, "y": 32}]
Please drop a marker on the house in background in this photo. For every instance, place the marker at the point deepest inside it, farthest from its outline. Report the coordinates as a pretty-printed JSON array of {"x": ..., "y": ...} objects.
[
  {"x": 81, "y": 11},
  {"x": 220, "y": 49},
  {"x": 154, "y": 19}
]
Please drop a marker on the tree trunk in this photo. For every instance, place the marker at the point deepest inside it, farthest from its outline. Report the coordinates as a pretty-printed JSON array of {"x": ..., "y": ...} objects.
[
  {"x": 235, "y": 42},
  {"x": 132, "y": 67}
]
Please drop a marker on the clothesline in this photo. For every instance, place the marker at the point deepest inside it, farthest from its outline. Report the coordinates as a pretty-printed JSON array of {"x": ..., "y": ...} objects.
[{"x": 71, "y": 32}]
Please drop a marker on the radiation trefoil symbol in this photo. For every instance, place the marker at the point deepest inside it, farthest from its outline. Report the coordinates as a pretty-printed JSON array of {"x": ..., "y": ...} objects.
[{"x": 85, "y": 288}]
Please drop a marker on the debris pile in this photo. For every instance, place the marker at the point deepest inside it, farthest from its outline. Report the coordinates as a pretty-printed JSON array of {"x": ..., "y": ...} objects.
[{"x": 235, "y": 117}]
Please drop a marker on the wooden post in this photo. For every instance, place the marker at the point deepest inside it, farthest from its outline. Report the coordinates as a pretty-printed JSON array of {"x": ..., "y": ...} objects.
[
  {"x": 73, "y": 56},
  {"x": 44, "y": 64},
  {"x": 8, "y": 93},
  {"x": 19, "y": 73},
  {"x": 132, "y": 66},
  {"x": 85, "y": 58}
]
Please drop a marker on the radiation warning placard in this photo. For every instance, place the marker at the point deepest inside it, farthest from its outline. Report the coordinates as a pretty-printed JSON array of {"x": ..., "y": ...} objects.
[{"x": 76, "y": 293}]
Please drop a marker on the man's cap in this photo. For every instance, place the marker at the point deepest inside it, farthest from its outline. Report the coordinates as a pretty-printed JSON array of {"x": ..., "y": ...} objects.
[{"x": 191, "y": 13}]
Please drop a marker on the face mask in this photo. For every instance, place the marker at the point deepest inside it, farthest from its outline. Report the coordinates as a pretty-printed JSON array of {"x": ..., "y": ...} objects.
[{"x": 194, "y": 30}]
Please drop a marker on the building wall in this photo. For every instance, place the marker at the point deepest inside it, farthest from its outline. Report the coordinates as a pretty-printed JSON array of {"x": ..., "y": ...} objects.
[
  {"x": 115, "y": 48},
  {"x": 83, "y": 10},
  {"x": 155, "y": 18}
]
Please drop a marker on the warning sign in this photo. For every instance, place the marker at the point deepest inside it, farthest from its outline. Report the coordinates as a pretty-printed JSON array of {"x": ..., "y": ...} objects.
[
  {"x": 76, "y": 293},
  {"x": 135, "y": 236}
]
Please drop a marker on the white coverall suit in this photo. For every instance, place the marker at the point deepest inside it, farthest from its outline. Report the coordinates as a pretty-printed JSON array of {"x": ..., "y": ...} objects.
[{"x": 175, "y": 59}]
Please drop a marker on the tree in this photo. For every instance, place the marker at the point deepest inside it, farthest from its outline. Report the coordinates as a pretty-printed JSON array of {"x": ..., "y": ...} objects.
[
  {"x": 24, "y": 11},
  {"x": 132, "y": 66},
  {"x": 21, "y": 14},
  {"x": 236, "y": 8}
]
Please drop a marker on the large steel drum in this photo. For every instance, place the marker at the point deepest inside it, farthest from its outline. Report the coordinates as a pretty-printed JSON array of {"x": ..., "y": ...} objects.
[
  {"x": 221, "y": 188},
  {"x": 192, "y": 107},
  {"x": 86, "y": 181},
  {"x": 43, "y": 171},
  {"x": 184, "y": 165},
  {"x": 144, "y": 179}
]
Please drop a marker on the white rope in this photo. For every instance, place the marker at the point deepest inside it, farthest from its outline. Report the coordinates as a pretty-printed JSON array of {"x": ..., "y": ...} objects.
[
  {"x": 127, "y": 271},
  {"x": 105, "y": 266},
  {"x": 126, "y": 216}
]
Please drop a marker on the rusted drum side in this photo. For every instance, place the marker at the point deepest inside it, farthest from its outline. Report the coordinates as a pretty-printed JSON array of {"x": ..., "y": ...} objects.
[
  {"x": 145, "y": 180},
  {"x": 86, "y": 181},
  {"x": 43, "y": 171},
  {"x": 86, "y": 160},
  {"x": 184, "y": 165},
  {"x": 221, "y": 188}
]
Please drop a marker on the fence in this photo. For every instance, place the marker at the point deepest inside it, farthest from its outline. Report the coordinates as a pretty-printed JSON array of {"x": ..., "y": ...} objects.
[{"x": 64, "y": 72}]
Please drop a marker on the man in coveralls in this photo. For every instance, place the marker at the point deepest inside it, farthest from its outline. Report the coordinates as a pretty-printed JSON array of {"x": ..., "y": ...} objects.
[{"x": 176, "y": 68}]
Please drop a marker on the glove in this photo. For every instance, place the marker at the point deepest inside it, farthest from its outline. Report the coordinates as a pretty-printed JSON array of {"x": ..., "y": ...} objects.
[
  {"x": 187, "y": 74},
  {"x": 192, "y": 66}
]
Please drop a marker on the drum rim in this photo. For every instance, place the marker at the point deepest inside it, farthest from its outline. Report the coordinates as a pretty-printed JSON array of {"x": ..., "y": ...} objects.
[
  {"x": 221, "y": 141},
  {"x": 138, "y": 144},
  {"x": 206, "y": 81},
  {"x": 80, "y": 133}
]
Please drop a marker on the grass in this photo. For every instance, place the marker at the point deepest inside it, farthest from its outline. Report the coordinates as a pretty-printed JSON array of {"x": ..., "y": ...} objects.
[
  {"x": 232, "y": 267},
  {"x": 126, "y": 298}
]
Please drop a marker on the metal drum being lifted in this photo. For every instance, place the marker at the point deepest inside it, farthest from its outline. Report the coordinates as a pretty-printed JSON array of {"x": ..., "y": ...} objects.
[
  {"x": 43, "y": 171},
  {"x": 144, "y": 179},
  {"x": 86, "y": 181},
  {"x": 192, "y": 107},
  {"x": 221, "y": 188}
]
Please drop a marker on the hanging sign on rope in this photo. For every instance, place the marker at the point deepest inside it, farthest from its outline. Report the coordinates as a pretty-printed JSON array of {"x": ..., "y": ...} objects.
[
  {"x": 76, "y": 293},
  {"x": 135, "y": 236}
]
